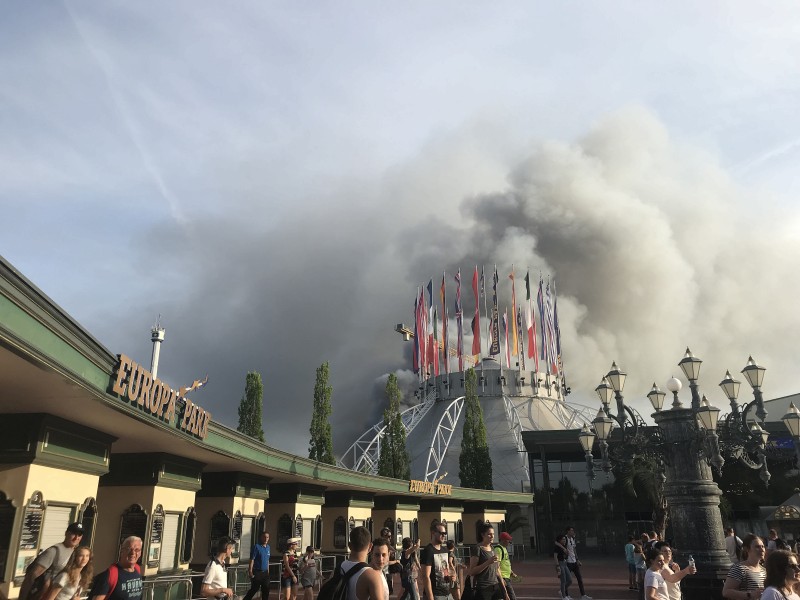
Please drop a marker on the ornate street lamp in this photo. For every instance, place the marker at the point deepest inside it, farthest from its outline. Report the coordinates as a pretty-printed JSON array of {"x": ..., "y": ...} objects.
[
  {"x": 792, "y": 421},
  {"x": 686, "y": 441}
]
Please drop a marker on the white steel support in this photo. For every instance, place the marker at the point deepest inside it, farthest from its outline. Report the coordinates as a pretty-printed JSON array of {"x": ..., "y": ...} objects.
[
  {"x": 441, "y": 438},
  {"x": 516, "y": 430},
  {"x": 364, "y": 453}
]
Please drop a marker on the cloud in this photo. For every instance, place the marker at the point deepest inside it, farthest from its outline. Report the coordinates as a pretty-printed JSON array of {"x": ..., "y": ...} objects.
[{"x": 652, "y": 248}]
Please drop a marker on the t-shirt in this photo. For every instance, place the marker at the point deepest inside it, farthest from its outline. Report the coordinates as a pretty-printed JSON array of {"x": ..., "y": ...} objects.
[
  {"x": 505, "y": 561},
  {"x": 260, "y": 557},
  {"x": 561, "y": 554},
  {"x": 129, "y": 585},
  {"x": 216, "y": 574},
  {"x": 571, "y": 556},
  {"x": 53, "y": 559},
  {"x": 673, "y": 588},
  {"x": 409, "y": 565},
  {"x": 68, "y": 589},
  {"x": 748, "y": 579},
  {"x": 629, "y": 553},
  {"x": 772, "y": 593},
  {"x": 487, "y": 577},
  {"x": 731, "y": 542},
  {"x": 440, "y": 569},
  {"x": 655, "y": 580},
  {"x": 308, "y": 570}
]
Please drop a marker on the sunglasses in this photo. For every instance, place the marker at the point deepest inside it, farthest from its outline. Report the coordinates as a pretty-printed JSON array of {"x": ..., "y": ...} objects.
[{"x": 440, "y": 532}]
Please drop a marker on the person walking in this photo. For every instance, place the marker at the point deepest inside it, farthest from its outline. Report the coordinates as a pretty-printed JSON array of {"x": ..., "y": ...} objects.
[
  {"x": 123, "y": 579},
  {"x": 483, "y": 567},
  {"x": 74, "y": 579},
  {"x": 506, "y": 572},
  {"x": 573, "y": 563},
  {"x": 258, "y": 568},
  {"x": 308, "y": 573},
  {"x": 745, "y": 580},
  {"x": 783, "y": 575},
  {"x": 733, "y": 545},
  {"x": 49, "y": 563},
  {"x": 562, "y": 570},
  {"x": 409, "y": 562},
  {"x": 630, "y": 559},
  {"x": 288, "y": 572},
  {"x": 655, "y": 588},
  {"x": 672, "y": 573},
  {"x": 215, "y": 578},
  {"x": 434, "y": 567}
]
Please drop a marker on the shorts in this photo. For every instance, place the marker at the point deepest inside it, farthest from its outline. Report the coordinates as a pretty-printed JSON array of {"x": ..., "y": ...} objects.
[
  {"x": 287, "y": 582},
  {"x": 632, "y": 568}
]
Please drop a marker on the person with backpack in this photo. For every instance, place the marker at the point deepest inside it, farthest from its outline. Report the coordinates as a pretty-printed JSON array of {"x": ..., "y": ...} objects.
[
  {"x": 123, "y": 579},
  {"x": 409, "y": 563},
  {"x": 506, "y": 572},
  {"x": 49, "y": 563},
  {"x": 74, "y": 579},
  {"x": 354, "y": 579},
  {"x": 215, "y": 578}
]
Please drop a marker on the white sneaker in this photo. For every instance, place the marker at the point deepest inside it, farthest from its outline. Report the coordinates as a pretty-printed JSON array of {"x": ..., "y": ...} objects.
[{"x": 585, "y": 597}]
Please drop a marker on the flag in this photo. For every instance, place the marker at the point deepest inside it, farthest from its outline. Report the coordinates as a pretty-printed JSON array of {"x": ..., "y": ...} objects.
[
  {"x": 436, "y": 343},
  {"x": 557, "y": 331},
  {"x": 422, "y": 326},
  {"x": 551, "y": 334},
  {"x": 459, "y": 323},
  {"x": 445, "y": 341},
  {"x": 494, "y": 348},
  {"x": 476, "y": 320},
  {"x": 505, "y": 330},
  {"x": 530, "y": 321},
  {"x": 542, "y": 327},
  {"x": 521, "y": 337},
  {"x": 416, "y": 335},
  {"x": 513, "y": 311}
]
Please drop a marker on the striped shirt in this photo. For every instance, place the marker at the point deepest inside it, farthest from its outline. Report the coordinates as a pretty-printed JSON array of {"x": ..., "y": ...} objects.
[{"x": 749, "y": 579}]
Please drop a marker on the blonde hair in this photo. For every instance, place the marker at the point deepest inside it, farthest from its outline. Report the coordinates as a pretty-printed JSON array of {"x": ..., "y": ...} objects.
[{"x": 80, "y": 577}]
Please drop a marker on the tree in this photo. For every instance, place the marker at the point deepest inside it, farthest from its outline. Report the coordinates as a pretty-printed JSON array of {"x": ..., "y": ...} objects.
[
  {"x": 393, "y": 460},
  {"x": 321, "y": 444},
  {"x": 250, "y": 407},
  {"x": 474, "y": 464},
  {"x": 643, "y": 475}
]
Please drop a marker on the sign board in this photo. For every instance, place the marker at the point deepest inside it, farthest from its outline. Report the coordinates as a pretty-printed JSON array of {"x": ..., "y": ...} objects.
[{"x": 430, "y": 487}]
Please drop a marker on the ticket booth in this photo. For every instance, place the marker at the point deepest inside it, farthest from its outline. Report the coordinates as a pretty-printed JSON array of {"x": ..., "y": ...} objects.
[
  {"x": 399, "y": 514},
  {"x": 446, "y": 512},
  {"x": 151, "y": 496},
  {"x": 476, "y": 513},
  {"x": 343, "y": 511},
  {"x": 54, "y": 467},
  {"x": 231, "y": 504},
  {"x": 295, "y": 510}
]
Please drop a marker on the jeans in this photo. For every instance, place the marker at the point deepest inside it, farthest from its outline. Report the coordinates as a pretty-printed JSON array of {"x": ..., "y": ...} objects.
[
  {"x": 509, "y": 589},
  {"x": 566, "y": 578},
  {"x": 259, "y": 581},
  {"x": 410, "y": 590},
  {"x": 576, "y": 570}
]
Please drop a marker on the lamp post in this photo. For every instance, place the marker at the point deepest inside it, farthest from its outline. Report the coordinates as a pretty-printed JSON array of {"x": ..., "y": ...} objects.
[{"x": 687, "y": 441}]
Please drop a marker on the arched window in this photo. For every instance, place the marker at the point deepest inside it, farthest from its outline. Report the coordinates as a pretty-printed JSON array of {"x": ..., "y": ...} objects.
[
  {"x": 133, "y": 522},
  {"x": 189, "y": 525},
  {"x": 340, "y": 533},
  {"x": 87, "y": 516}
]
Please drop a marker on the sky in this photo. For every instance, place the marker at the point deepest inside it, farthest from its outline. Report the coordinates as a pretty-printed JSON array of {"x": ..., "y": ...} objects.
[{"x": 276, "y": 179}]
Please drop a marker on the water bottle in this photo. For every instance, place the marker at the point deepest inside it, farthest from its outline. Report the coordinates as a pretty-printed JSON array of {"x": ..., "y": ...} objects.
[{"x": 691, "y": 561}]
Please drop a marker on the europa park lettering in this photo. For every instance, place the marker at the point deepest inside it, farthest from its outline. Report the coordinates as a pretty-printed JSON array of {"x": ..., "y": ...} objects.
[
  {"x": 135, "y": 384},
  {"x": 430, "y": 487}
]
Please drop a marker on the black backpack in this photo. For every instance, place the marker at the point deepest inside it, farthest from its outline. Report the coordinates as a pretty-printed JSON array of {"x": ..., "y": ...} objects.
[{"x": 336, "y": 587}]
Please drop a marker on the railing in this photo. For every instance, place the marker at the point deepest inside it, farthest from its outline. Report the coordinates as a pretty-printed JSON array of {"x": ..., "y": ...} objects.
[{"x": 168, "y": 587}]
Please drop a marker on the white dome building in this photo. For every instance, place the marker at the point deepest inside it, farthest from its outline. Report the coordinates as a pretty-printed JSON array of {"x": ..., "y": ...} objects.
[{"x": 512, "y": 402}]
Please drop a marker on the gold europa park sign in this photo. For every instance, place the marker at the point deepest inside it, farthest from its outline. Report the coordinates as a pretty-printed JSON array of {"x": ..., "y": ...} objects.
[
  {"x": 135, "y": 384},
  {"x": 430, "y": 487}
]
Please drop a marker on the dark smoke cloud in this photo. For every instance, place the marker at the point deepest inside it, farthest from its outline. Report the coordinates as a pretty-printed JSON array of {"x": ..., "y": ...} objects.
[{"x": 652, "y": 247}]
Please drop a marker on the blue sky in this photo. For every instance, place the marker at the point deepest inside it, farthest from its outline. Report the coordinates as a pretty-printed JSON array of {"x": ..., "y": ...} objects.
[{"x": 276, "y": 179}]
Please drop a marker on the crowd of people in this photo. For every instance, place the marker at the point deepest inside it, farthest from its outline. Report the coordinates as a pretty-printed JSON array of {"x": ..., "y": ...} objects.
[
  {"x": 761, "y": 569},
  {"x": 65, "y": 571}
]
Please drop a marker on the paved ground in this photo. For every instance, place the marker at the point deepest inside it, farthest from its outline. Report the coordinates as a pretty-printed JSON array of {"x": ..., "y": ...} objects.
[{"x": 604, "y": 579}]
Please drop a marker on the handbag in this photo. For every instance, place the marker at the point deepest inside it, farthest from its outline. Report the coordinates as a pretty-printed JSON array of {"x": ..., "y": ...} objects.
[{"x": 468, "y": 593}]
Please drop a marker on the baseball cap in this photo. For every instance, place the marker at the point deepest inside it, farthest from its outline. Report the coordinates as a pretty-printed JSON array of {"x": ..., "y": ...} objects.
[
  {"x": 76, "y": 528},
  {"x": 505, "y": 537}
]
